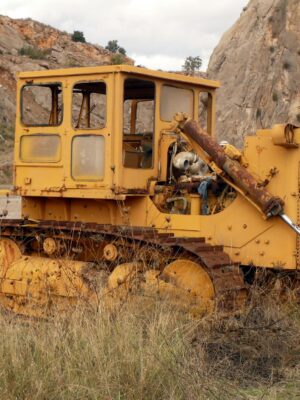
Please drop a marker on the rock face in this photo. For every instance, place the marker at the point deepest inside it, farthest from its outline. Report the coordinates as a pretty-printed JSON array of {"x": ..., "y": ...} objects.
[
  {"x": 258, "y": 64},
  {"x": 29, "y": 45}
]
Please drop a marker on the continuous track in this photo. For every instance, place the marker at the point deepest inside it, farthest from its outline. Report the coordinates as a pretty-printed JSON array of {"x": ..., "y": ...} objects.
[{"x": 227, "y": 278}]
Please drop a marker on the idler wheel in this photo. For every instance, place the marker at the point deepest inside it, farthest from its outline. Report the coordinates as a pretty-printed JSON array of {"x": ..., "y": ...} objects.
[{"x": 188, "y": 285}]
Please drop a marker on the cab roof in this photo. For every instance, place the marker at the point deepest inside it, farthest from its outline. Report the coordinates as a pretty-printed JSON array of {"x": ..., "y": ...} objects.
[{"x": 128, "y": 69}]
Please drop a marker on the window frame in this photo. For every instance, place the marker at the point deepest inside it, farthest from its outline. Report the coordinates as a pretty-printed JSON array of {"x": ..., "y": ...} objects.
[
  {"x": 45, "y": 84},
  {"x": 41, "y": 135},
  {"x": 154, "y": 83},
  {"x": 72, "y": 157},
  {"x": 191, "y": 89},
  {"x": 71, "y": 105},
  {"x": 209, "y": 110}
]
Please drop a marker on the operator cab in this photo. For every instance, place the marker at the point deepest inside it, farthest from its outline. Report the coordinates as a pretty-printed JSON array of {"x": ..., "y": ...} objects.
[{"x": 102, "y": 132}]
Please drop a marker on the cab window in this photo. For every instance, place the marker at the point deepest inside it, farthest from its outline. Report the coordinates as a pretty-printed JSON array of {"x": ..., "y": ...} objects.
[
  {"x": 205, "y": 107},
  {"x": 138, "y": 123},
  {"x": 41, "y": 104},
  {"x": 40, "y": 148},
  {"x": 88, "y": 156},
  {"x": 89, "y": 105},
  {"x": 175, "y": 99}
]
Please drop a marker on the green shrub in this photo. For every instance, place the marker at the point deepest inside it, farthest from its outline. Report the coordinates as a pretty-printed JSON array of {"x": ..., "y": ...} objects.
[
  {"x": 117, "y": 59},
  {"x": 114, "y": 47},
  {"x": 34, "y": 52},
  {"x": 78, "y": 36},
  {"x": 286, "y": 65}
]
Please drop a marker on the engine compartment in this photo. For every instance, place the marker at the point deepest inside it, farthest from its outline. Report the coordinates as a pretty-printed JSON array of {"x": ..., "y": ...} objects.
[{"x": 192, "y": 187}]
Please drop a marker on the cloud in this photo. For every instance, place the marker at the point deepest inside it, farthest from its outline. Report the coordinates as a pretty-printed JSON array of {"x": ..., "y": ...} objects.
[{"x": 156, "y": 33}]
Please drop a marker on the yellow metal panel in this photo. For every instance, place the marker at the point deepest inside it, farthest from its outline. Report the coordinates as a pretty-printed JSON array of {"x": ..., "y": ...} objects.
[
  {"x": 111, "y": 69},
  {"x": 51, "y": 193}
]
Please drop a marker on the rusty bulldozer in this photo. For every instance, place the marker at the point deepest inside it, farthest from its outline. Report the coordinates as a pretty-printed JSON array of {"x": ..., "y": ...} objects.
[{"x": 125, "y": 190}]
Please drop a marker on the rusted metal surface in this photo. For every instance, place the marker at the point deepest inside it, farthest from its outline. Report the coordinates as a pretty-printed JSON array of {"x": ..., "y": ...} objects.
[
  {"x": 269, "y": 204},
  {"x": 226, "y": 276},
  {"x": 205, "y": 141},
  {"x": 136, "y": 191},
  {"x": 189, "y": 186}
]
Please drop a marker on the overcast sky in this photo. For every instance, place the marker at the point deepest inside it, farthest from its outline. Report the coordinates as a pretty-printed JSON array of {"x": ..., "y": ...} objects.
[{"x": 155, "y": 33}]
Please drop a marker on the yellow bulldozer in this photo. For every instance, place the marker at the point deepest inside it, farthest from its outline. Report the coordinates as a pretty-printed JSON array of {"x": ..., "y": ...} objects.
[{"x": 125, "y": 190}]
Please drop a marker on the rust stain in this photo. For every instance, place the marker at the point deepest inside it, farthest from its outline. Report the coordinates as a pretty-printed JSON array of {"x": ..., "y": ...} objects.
[
  {"x": 260, "y": 149},
  {"x": 268, "y": 203}
]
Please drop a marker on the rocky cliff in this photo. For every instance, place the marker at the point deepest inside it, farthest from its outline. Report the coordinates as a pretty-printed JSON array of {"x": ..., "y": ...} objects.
[
  {"x": 258, "y": 64},
  {"x": 29, "y": 45}
]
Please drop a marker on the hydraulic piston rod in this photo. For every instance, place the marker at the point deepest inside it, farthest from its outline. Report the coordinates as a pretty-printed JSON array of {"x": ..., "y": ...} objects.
[
  {"x": 290, "y": 223},
  {"x": 270, "y": 205}
]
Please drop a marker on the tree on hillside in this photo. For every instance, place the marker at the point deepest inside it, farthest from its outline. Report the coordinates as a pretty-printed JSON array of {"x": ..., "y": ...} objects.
[
  {"x": 114, "y": 47},
  {"x": 78, "y": 36},
  {"x": 191, "y": 65}
]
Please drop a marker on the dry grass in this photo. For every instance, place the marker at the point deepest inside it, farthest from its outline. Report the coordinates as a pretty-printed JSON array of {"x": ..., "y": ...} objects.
[{"x": 156, "y": 353}]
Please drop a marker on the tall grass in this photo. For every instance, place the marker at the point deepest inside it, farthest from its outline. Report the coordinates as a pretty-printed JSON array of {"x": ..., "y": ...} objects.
[{"x": 142, "y": 352}]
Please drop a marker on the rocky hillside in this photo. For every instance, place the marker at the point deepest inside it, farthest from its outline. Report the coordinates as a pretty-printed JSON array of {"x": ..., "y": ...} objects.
[
  {"x": 29, "y": 45},
  {"x": 258, "y": 63}
]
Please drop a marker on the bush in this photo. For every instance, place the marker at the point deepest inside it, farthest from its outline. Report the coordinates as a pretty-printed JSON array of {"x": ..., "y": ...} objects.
[
  {"x": 121, "y": 50},
  {"x": 78, "y": 36},
  {"x": 34, "y": 52},
  {"x": 114, "y": 47},
  {"x": 117, "y": 59}
]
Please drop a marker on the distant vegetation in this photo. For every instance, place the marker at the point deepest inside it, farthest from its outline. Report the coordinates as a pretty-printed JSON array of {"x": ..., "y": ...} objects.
[
  {"x": 34, "y": 52},
  {"x": 116, "y": 59},
  {"x": 119, "y": 53},
  {"x": 192, "y": 65},
  {"x": 114, "y": 47},
  {"x": 78, "y": 36}
]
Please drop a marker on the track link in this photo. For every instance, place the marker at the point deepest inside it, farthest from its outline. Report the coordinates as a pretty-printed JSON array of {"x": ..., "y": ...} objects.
[{"x": 227, "y": 278}]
